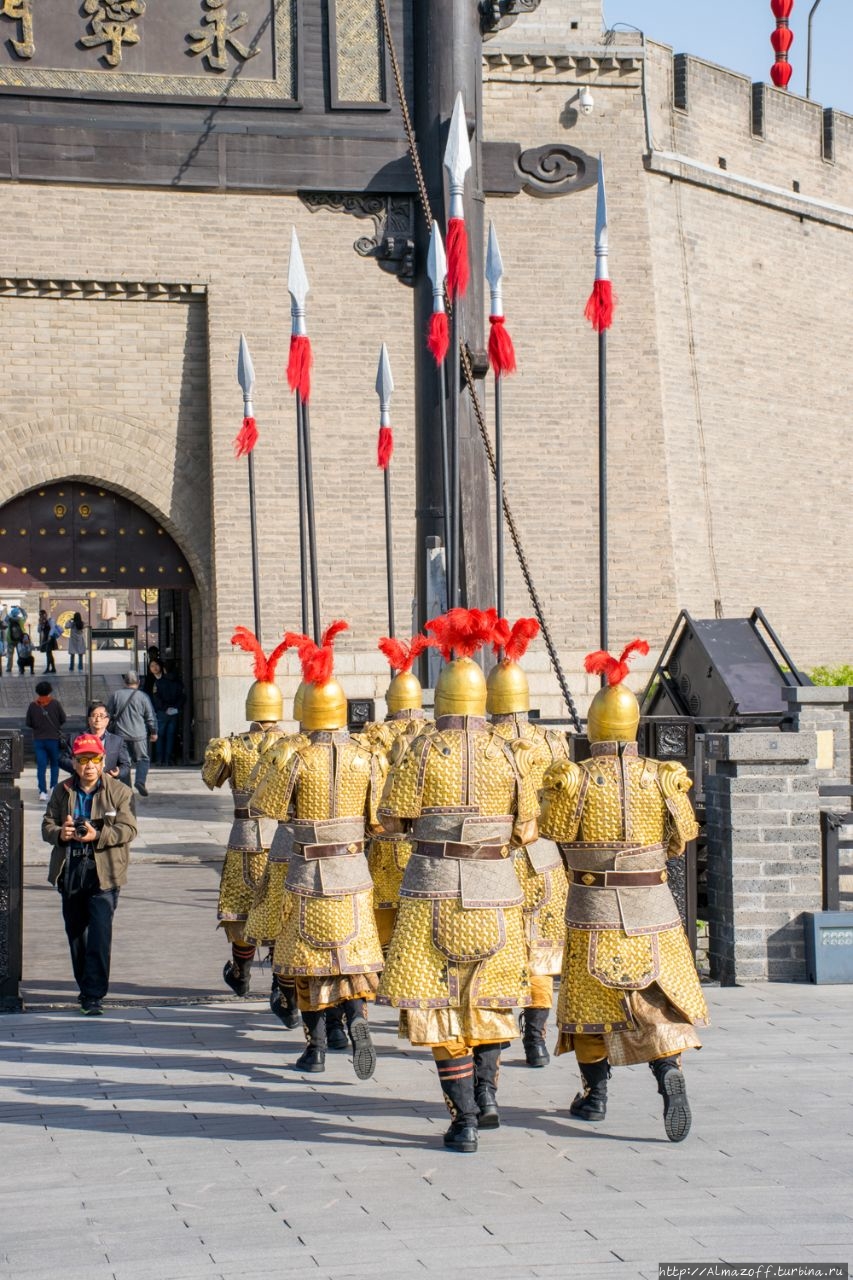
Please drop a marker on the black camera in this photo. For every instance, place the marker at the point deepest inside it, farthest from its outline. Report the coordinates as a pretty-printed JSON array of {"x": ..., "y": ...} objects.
[{"x": 81, "y": 829}]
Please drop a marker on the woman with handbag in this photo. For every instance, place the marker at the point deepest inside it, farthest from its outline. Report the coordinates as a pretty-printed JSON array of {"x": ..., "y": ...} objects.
[
  {"x": 76, "y": 629},
  {"x": 45, "y": 717}
]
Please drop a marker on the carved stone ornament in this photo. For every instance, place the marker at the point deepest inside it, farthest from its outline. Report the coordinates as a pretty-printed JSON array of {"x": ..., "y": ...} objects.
[
  {"x": 556, "y": 170},
  {"x": 392, "y": 245},
  {"x": 496, "y": 15}
]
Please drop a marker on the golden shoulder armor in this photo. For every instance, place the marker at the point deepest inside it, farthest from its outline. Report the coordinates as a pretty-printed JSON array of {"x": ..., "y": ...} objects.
[
  {"x": 673, "y": 778},
  {"x": 217, "y": 762},
  {"x": 563, "y": 776},
  {"x": 529, "y": 754}
]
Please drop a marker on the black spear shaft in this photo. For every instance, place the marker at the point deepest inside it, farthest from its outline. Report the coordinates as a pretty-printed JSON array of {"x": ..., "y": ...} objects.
[
  {"x": 445, "y": 483},
  {"x": 389, "y": 551},
  {"x": 312, "y": 532},
  {"x": 253, "y": 526},
  {"x": 499, "y": 493},
  {"x": 602, "y": 489},
  {"x": 303, "y": 540},
  {"x": 455, "y": 470}
]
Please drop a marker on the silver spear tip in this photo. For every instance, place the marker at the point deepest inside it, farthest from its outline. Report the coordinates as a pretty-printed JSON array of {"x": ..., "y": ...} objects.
[
  {"x": 245, "y": 368},
  {"x": 436, "y": 258},
  {"x": 457, "y": 154},
  {"x": 494, "y": 261},
  {"x": 384, "y": 379},
  {"x": 297, "y": 280},
  {"x": 601, "y": 206}
]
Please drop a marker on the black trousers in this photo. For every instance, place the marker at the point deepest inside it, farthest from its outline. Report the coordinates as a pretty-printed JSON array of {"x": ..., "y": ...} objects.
[{"x": 88, "y": 916}]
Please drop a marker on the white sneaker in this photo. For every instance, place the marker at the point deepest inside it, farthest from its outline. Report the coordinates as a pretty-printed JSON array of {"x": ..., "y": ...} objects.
[{"x": 42, "y": 795}]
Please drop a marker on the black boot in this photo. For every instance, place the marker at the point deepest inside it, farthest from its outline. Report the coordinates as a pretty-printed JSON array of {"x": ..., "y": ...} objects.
[
  {"x": 337, "y": 1039},
  {"x": 283, "y": 1003},
  {"x": 363, "y": 1051},
  {"x": 456, "y": 1076},
  {"x": 673, "y": 1090},
  {"x": 313, "y": 1058},
  {"x": 592, "y": 1103},
  {"x": 487, "y": 1065},
  {"x": 533, "y": 1025},
  {"x": 238, "y": 976}
]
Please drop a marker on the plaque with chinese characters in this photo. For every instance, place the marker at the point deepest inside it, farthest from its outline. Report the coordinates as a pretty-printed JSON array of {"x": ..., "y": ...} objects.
[{"x": 196, "y": 49}]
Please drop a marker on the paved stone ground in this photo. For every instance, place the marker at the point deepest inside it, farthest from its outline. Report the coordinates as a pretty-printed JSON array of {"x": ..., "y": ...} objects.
[{"x": 171, "y": 1141}]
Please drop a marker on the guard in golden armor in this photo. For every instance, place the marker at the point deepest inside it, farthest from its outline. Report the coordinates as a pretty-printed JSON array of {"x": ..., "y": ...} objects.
[
  {"x": 328, "y": 944},
  {"x": 232, "y": 759},
  {"x": 389, "y": 854},
  {"x": 457, "y": 964},
  {"x": 271, "y": 901},
  {"x": 630, "y": 992},
  {"x": 538, "y": 866}
]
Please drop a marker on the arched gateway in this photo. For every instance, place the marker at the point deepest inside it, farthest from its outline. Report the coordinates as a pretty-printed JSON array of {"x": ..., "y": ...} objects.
[{"x": 82, "y": 545}]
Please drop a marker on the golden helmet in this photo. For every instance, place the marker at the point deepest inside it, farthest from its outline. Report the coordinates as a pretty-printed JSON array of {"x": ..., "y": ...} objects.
[
  {"x": 614, "y": 715},
  {"x": 297, "y": 702},
  {"x": 264, "y": 701},
  {"x": 324, "y": 706},
  {"x": 324, "y": 703},
  {"x": 461, "y": 687},
  {"x": 404, "y": 692},
  {"x": 508, "y": 690}
]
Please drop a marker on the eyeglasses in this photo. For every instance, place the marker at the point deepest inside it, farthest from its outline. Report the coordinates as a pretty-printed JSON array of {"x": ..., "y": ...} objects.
[{"x": 88, "y": 759}]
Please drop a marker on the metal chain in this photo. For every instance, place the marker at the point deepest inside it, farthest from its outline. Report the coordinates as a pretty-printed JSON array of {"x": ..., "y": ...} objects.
[{"x": 468, "y": 372}]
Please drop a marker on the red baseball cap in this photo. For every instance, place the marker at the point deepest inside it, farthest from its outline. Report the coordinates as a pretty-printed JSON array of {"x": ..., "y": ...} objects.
[{"x": 86, "y": 744}]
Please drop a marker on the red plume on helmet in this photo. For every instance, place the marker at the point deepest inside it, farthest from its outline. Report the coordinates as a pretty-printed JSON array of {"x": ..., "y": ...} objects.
[
  {"x": 514, "y": 641},
  {"x": 602, "y": 663},
  {"x": 264, "y": 667},
  {"x": 463, "y": 631},
  {"x": 402, "y": 655},
  {"x": 318, "y": 660}
]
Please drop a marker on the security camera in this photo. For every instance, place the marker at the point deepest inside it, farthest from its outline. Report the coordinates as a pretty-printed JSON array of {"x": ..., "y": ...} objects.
[{"x": 585, "y": 101}]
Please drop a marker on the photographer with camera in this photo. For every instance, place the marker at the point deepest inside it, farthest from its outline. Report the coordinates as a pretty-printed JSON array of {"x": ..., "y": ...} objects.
[{"x": 90, "y": 823}]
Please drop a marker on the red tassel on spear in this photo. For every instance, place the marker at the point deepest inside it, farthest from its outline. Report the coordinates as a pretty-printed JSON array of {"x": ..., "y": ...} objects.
[
  {"x": 247, "y": 438},
  {"x": 601, "y": 303},
  {"x": 457, "y": 162}
]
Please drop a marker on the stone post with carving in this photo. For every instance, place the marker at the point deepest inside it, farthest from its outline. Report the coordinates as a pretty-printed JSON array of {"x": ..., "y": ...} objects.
[{"x": 11, "y": 871}]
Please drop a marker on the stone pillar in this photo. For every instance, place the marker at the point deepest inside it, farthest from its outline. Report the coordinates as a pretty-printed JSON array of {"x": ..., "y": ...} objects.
[
  {"x": 764, "y": 863},
  {"x": 827, "y": 710},
  {"x": 11, "y": 871}
]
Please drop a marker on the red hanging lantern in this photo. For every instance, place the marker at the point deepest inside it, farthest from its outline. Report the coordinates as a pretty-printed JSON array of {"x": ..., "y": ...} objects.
[{"x": 781, "y": 40}]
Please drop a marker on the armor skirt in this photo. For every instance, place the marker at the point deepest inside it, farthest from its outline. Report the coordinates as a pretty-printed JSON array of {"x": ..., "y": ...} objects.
[
  {"x": 601, "y": 968},
  {"x": 271, "y": 906},
  {"x": 445, "y": 956},
  {"x": 324, "y": 937},
  {"x": 242, "y": 872},
  {"x": 387, "y": 860},
  {"x": 544, "y": 909}
]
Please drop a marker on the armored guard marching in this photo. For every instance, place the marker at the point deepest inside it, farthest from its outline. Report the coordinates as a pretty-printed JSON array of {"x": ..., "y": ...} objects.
[
  {"x": 389, "y": 853},
  {"x": 630, "y": 992},
  {"x": 539, "y": 866},
  {"x": 328, "y": 945},
  {"x": 457, "y": 964},
  {"x": 232, "y": 760}
]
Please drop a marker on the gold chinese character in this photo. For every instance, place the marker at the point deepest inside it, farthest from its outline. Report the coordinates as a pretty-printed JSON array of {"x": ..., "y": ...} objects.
[
  {"x": 112, "y": 23},
  {"x": 20, "y": 11},
  {"x": 213, "y": 42}
]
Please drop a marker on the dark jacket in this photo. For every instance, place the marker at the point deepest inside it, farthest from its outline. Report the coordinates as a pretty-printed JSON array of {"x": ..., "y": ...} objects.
[
  {"x": 45, "y": 721},
  {"x": 111, "y": 804},
  {"x": 115, "y": 756},
  {"x": 168, "y": 692}
]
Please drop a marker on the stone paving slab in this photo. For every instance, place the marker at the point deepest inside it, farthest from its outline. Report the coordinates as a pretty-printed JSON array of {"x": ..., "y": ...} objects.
[{"x": 176, "y": 1143}]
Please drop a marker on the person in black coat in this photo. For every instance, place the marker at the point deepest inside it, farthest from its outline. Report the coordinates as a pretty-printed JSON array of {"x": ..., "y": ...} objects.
[{"x": 116, "y": 758}]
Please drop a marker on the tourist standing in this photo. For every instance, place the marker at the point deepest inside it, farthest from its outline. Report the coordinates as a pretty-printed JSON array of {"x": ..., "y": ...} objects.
[
  {"x": 76, "y": 629},
  {"x": 132, "y": 716},
  {"x": 45, "y": 718}
]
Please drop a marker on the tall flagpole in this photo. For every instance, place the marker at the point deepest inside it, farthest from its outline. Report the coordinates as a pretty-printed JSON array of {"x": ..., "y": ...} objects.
[
  {"x": 502, "y": 360},
  {"x": 244, "y": 445},
  {"x": 438, "y": 341},
  {"x": 457, "y": 162},
  {"x": 299, "y": 380},
  {"x": 599, "y": 311},
  {"x": 384, "y": 453}
]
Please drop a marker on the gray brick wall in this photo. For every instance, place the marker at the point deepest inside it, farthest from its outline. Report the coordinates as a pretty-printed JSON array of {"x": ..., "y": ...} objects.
[{"x": 764, "y": 867}]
